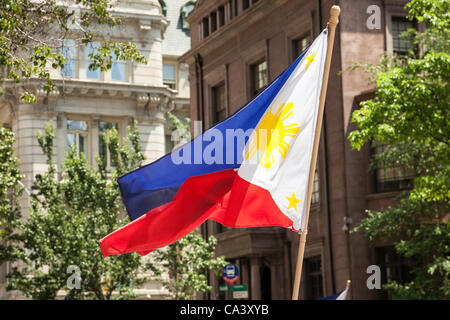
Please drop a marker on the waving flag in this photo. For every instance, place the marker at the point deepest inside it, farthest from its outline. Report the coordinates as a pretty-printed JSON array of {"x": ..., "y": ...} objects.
[
  {"x": 338, "y": 296},
  {"x": 250, "y": 170}
]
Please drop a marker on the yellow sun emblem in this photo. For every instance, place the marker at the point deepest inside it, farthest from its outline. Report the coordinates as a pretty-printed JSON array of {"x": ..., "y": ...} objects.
[{"x": 271, "y": 134}]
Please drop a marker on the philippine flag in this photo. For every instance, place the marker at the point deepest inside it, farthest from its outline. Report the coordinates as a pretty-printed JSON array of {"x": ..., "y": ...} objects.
[{"x": 250, "y": 170}]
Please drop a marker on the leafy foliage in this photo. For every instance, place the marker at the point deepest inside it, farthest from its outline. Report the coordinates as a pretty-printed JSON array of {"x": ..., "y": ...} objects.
[
  {"x": 67, "y": 218},
  {"x": 410, "y": 114},
  {"x": 31, "y": 35},
  {"x": 10, "y": 192},
  {"x": 187, "y": 261}
]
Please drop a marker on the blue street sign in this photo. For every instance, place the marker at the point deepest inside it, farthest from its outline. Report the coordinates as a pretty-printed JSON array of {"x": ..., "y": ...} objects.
[{"x": 230, "y": 273}]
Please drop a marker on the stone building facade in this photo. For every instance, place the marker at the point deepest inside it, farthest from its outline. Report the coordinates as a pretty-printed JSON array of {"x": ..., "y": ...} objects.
[
  {"x": 86, "y": 102},
  {"x": 237, "y": 48}
]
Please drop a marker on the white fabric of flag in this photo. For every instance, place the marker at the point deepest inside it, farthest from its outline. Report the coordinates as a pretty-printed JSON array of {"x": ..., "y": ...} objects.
[{"x": 278, "y": 154}]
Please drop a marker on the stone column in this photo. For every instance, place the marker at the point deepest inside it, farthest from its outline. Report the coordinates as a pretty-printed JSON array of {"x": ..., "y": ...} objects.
[
  {"x": 277, "y": 279},
  {"x": 255, "y": 267}
]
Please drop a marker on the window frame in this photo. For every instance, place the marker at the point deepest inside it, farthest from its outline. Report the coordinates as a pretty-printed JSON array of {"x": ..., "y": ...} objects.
[
  {"x": 214, "y": 110},
  {"x": 315, "y": 195},
  {"x": 77, "y": 132},
  {"x": 109, "y": 165},
  {"x": 404, "y": 182},
  {"x": 294, "y": 49},
  {"x": 167, "y": 61},
  {"x": 76, "y": 59},
  {"x": 390, "y": 12},
  {"x": 126, "y": 72},
  {"x": 87, "y": 60},
  {"x": 413, "y": 26},
  {"x": 251, "y": 69},
  {"x": 309, "y": 274}
]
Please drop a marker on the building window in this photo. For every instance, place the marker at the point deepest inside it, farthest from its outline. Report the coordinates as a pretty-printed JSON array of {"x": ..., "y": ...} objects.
[
  {"x": 300, "y": 45},
  {"x": 315, "y": 196},
  {"x": 163, "y": 5},
  {"x": 401, "y": 45},
  {"x": 169, "y": 75},
  {"x": 313, "y": 279},
  {"x": 393, "y": 267},
  {"x": 186, "y": 10},
  {"x": 245, "y": 4},
  {"x": 77, "y": 135},
  {"x": 221, "y": 12},
  {"x": 205, "y": 24},
  {"x": 69, "y": 51},
  {"x": 258, "y": 77},
  {"x": 233, "y": 5},
  {"x": 118, "y": 68},
  {"x": 219, "y": 103},
  {"x": 213, "y": 21},
  {"x": 392, "y": 177},
  {"x": 92, "y": 48},
  {"x": 103, "y": 150}
]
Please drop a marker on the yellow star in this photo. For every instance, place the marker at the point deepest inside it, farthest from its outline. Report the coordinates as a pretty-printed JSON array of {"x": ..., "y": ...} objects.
[
  {"x": 293, "y": 201},
  {"x": 310, "y": 59}
]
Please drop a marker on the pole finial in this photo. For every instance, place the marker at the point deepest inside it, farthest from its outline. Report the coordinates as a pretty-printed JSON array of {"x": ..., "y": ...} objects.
[
  {"x": 348, "y": 284},
  {"x": 334, "y": 15}
]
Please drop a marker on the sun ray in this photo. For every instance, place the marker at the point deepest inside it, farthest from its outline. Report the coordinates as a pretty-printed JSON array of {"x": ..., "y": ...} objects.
[
  {"x": 286, "y": 109},
  {"x": 271, "y": 134},
  {"x": 279, "y": 109}
]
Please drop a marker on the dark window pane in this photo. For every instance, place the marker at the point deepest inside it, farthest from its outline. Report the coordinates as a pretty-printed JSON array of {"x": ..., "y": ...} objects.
[
  {"x": 393, "y": 267},
  {"x": 401, "y": 45},
  {"x": 221, "y": 16},
  {"x": 245, "y": 4},
  {"x": 205, "y": 24},
  {"x": 314, "y": 281},
  {"x": 315, "y": 197},
  {"x": 83, "y": 144},
  {"x": 213, "y": 22},
  {"x": 219, "y": 103},
  {"x": 300, "y": 45},
  {"x": 102, "y": 147},
  {"x": 392, "y": 177},
  {"x": 259, "y": 77}
]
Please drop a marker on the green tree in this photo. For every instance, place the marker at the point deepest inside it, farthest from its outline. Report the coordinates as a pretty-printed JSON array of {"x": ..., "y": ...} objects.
[
  {"x": 32, "y": 34},
  {"x": 410, "y": 115},
  {"x": 67, "y": 218},
  {"x": 10, "y": 193},
  {"x": 187, "y": 262}
]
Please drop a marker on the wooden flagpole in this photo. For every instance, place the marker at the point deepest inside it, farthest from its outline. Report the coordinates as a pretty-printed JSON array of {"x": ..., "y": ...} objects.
[{"x": 332, "y": 23}]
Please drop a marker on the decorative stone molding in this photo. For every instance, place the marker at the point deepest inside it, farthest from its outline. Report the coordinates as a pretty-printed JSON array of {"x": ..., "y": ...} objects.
[
  {"x": 145, "y": 25},
  {"x": 142, "y": 99}
]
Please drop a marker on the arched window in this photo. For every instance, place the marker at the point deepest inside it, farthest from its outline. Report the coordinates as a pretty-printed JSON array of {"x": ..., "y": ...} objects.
[
  {"x": 163, "y": 7},
  {"x": 186, "y": 9}
]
